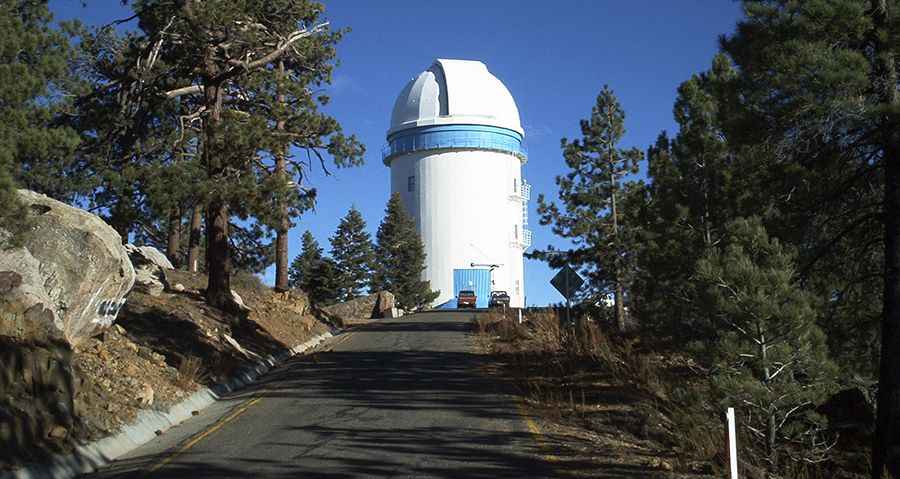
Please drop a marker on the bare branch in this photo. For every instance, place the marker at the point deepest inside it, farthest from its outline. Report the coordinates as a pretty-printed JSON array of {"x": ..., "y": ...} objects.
[
  {"x": 185, "y": 90},
  {"x": 278, "y": 51}
]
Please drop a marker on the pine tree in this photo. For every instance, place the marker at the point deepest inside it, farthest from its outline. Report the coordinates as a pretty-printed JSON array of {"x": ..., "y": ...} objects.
[
  {"x": 223, "y": 58},
  {"x": 320, "y": 277},
  {"x": 770, "y": 358},
  {"x": 325, "y": 282},
  {"x": 400, "y": 259},
  {"x": 689, "y": 199},
  {"x": 590, "y": 193},
  {"x": 32, "y": 66},
  {"x": 352, "y": 250},
  {"x": 819, "y": 80},
  {"x": 301, "y": 271}
]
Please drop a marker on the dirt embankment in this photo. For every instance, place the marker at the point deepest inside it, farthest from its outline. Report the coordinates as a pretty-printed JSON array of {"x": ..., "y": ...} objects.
[
  {"x": 600, "y": 407},
  {"x": 622, "y": 406},
  {"x": 160, "y": 350}
]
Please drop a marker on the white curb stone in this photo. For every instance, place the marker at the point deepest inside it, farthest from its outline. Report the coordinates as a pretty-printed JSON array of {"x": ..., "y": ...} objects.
[{"x": 92, "y": 456}]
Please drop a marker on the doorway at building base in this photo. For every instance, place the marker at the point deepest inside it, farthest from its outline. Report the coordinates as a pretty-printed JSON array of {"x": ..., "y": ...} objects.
[{"x": 478, "y": 280}]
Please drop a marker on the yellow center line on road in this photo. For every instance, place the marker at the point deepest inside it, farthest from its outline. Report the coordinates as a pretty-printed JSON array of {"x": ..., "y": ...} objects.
[
  {"x": 225, "y": 420},
  {"x": 535, "y": 431},
  {"x": 202, "y": 435}
]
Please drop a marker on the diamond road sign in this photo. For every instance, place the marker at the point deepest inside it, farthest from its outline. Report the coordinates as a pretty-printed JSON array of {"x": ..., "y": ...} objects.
[{"x": 567, "y": 282}]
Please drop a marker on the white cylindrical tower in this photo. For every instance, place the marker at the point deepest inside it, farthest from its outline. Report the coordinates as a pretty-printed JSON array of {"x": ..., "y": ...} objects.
[{"x": 455, "y": 152}]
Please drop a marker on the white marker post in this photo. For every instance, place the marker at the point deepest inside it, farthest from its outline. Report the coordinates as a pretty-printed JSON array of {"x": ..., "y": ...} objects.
[{"x": 732, "y": 443}]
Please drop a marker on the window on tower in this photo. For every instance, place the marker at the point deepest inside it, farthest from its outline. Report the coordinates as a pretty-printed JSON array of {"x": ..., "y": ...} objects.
[
  {"x": 411, "y": 184},
  {"x": 516, "y": 231},
  {"x": 515, "y": 186}
]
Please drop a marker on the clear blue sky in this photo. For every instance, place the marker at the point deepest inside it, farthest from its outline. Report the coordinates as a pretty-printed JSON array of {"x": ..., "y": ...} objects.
[{"x": 553, "y": 56}]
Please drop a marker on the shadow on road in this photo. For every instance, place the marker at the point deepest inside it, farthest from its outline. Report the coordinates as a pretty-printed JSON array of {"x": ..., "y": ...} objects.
[{"x": 416, "y": 409}]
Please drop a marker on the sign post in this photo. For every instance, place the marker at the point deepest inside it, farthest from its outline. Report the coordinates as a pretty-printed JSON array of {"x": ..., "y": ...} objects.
[
  {"x": 567, "y": 282},
  {"x": 732, "y": 443}
]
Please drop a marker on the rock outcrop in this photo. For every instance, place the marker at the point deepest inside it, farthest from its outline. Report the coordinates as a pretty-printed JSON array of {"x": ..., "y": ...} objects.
[
  {"x": 376, "y": 305},
  {"x": 150, "y": 267},
  {"x": 67, "y": 280}
]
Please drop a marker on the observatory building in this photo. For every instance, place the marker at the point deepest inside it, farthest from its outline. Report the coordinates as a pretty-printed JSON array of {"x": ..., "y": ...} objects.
[{"x": 455, "y": 152}]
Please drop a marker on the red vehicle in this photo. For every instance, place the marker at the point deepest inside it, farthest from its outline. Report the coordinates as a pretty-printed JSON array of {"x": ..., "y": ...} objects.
[{"x": 466, "y": 299}]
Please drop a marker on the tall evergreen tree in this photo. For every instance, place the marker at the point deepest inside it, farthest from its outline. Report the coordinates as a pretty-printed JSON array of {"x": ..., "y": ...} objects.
[
  {"x": 352, "y": 250},
  {"x": 690, "y": 197},
  {"x": 32, "y": 76},
  {"x": 226, "y": 62},
  {"x": 819, "y": 79},
  {"x": 319, "y": 276},
  {"x": 301, "y": 271},
  {"x": 325, "y": 283},
  {"x": 770, "y": 356},
  {"x": 400, "y": 259},
  {"x": 590, "y": 193}
]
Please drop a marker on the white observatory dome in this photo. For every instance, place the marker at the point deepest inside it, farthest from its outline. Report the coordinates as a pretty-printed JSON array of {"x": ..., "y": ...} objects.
[
  {"x": 455, "y": 152},
  {"x": 455, "y": 92}
]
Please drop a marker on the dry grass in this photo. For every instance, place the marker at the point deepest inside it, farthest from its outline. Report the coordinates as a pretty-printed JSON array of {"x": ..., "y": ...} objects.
[
  {"x": 581, "y": 376},
  {"x": 634, "y": 401},
  {"x": 190, "y": 372}
]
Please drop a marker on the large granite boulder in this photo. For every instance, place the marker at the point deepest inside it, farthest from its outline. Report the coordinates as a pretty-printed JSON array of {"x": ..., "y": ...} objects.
[
  {"x": 376, "y": 305},
  {"x": 150, "y": 267},
  {"x": 67, "y": 280},
  {"x": 147, "y": 256}
]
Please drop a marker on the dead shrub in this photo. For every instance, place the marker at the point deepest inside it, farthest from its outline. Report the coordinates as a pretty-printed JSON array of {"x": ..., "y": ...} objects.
[
  {"x": 483, "y": 324},
  {"x": 546, "y": 330},
  {"x": 503, "y": 328},
  {"x": 190, "y": 372},
  {"x": 588, "y": 341},
  {"x": 646, "y": 374}
]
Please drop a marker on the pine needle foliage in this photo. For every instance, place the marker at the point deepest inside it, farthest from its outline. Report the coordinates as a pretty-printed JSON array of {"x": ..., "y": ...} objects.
[
  {"x": 249, "y": 73},
  {"x": 769, "y": 355},
  {"x": 589, "y": 214},
  {"x": 303, "y": 265},
  {"x": 317, "y": 275},
  {"x": 32, "y": 71},
  {"x": 353, "y": 253},
  {"x": 400, "y": 259}
]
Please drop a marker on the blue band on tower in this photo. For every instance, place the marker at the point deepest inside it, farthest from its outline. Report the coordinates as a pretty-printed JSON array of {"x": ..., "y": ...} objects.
[{"x": 437, "y": 137}]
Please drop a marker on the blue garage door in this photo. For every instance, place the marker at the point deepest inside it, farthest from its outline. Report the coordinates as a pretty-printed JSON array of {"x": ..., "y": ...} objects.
[{"x": 478, "y": 280}]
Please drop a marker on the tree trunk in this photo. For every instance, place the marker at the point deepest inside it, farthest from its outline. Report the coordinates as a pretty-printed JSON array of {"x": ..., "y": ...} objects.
[
  {"x": 886, "y": 450},
  {"x": 218, "y": 248},
  {"x": 619, "y": 294},
  {"x": 765, "y": 379},
  {"x": 887, "y": 441},
  {"x": 193, "y": 263},
  {"x": 174, "y": 237},
  {"x": 281, "y": 238},
  {"x": 218, "y": 253},
  {"x": 886, "y": 447},
  {"x": 620, "y": 306},
  {"x": 120, "y": 216}
]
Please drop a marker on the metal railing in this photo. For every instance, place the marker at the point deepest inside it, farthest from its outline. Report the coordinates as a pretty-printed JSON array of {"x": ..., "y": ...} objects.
[
  {"x": 476, "y": 143},
  {"x": 522, "y": 239},
  {"x": 525, "y": 189}
]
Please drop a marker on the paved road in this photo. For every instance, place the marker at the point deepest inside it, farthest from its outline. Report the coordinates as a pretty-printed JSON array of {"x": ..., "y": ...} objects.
[{"x": 397, "y": 398}]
